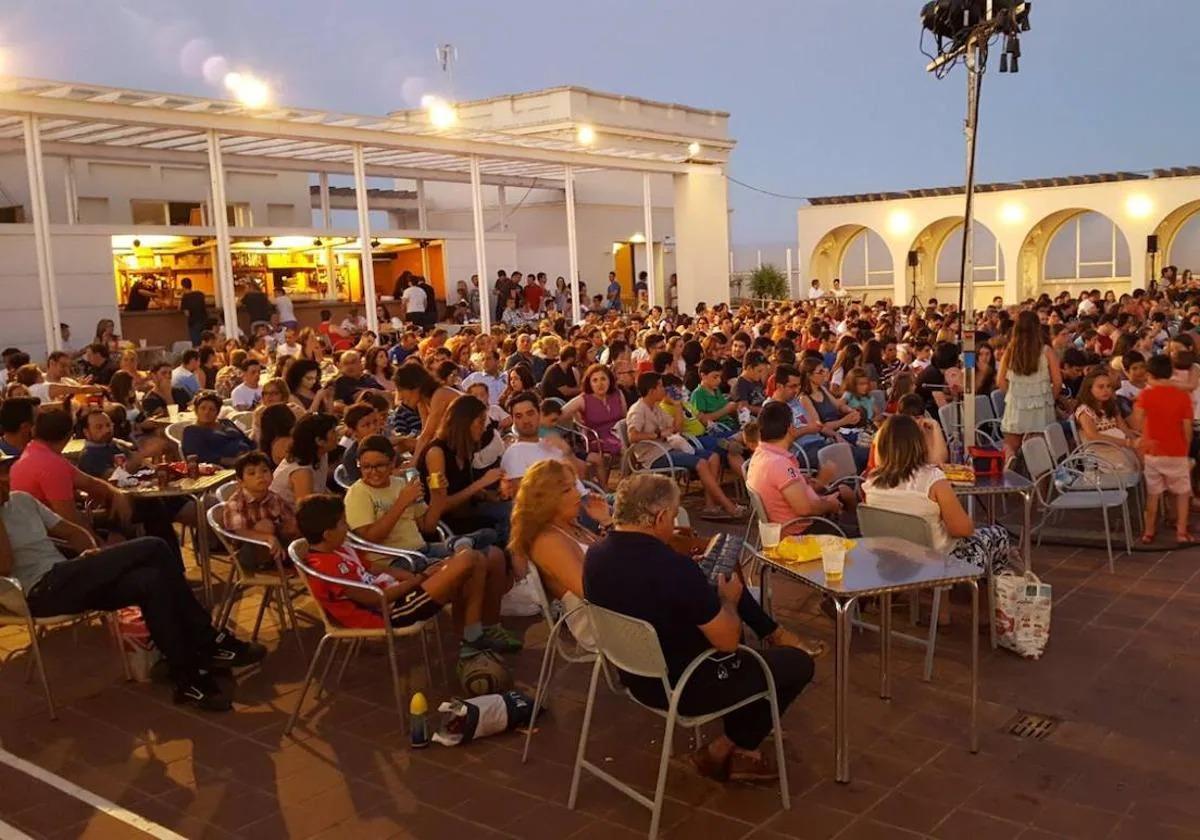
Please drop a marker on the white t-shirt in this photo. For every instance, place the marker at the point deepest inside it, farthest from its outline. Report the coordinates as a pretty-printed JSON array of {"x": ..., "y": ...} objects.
[
  {"x": 913, "y": 497},
  {"x": 414, "y": 299},
  {"x": 520, "y": 456},
  {"x": 815, "y": 293},
  {"x": 285, "y": 349},
  {"x": 283, "y": 305},
  {"x": 244, "y": 397}
]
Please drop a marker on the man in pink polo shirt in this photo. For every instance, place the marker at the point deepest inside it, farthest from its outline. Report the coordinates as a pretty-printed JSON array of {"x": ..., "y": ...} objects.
[{"x": 776, "y": 477}]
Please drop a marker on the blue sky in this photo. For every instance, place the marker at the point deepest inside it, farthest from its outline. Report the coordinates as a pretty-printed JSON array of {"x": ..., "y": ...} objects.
[{"x": 826, "y": 96}]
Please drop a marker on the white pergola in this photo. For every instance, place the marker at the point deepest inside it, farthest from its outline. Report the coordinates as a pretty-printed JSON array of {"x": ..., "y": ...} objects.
[{"x": 48, "y": 118}]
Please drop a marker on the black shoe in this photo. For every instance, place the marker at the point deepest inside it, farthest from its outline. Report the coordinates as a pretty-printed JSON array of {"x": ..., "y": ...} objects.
[
  {"x": 230, "y": 652},
  {"x": 202, "y": 692}
]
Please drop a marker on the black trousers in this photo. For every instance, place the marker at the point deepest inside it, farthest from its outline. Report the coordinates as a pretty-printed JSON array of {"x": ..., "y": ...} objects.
[
  {"x": 717, "y": 684},
  {"x": 157, "y": 517},
  {"x": 140, "y": 573}
]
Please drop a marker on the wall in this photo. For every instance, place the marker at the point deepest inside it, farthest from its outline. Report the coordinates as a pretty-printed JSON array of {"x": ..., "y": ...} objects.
[{"x": 702, "y": 237}]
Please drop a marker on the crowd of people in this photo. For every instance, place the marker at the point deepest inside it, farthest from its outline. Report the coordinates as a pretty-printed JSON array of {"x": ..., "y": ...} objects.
[{"x": 563, "y": 445}]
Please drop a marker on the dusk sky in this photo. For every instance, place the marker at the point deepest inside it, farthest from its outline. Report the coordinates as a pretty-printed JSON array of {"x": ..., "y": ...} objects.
[{"x": 826, "y": 96}]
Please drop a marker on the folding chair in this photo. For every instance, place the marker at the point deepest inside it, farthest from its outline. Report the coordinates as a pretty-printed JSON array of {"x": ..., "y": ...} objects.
[
  {"x": 632, "y": 646},
  {"x": 341, "y": 477},
  {"x": 352, "y": 636}
]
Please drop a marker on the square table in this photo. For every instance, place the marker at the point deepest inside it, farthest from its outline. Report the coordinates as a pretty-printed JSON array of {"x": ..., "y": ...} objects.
[
  {"x": 883, "y": 567},
  {"x": 196, "y": 488},
  {"x": 1009, "y": 483}
]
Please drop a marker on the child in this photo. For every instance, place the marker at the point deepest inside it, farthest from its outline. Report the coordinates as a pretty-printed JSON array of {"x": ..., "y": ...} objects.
[
  {"x": 903, "y": 384},
  {"x": 1099, "y": 420},
  {"x": 362, "y": 421},
  {"x": 551, "y": 414},
  {"x": 713, "y": 408},
  {"x": 410, "y": 597},
  {"x": 857, "y": 394},
  {"x": 247, "y": 395},
  {"x": 257, "y": 512},
  {"x": 1135, "y": 372},
  {"x": 1164, "y": 413},
  {"x": 496, "y": 415}
]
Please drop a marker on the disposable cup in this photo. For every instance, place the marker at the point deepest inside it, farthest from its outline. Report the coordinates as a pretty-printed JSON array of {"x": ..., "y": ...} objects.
[
  {"x": 142, "y": 343},
  {"x": 833, "y": 561},
  {"x": 768, "y": 534},
  {"x": 173, "y": 412}
]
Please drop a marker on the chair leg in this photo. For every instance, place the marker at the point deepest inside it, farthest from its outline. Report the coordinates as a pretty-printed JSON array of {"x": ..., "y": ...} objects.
[
  {"x": 232, "y": 590},
  {"x": 395, "y": 666},
  {"x": 262, "y": 609},
  {"x": 780, "y": 759},
  {"x": 425, "y": 655},
  {"x": 583, "y": 734},
  {"x": 931, "y": 643},
  {"x": 286, "y": 597},
  {"x": 543, "y": 685},
  {"x": 323, "y": 688},
  {"x": 110, "y": 620},
  {"x": 312, "y": 667},
  {"x": 39, "y": 666},
  {"x": 664, "y": 760},
  {"x": 351, "y": 652},
  {"x": 1112, "y": 567},
  {"x": 991, "y": 584},
  {"x": 278, "y": 596},
  {"x": 1128, "y": 529}
]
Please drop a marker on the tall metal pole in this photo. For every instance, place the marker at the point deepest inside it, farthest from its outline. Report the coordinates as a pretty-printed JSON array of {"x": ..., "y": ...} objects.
[
  {"x": 502, "y": 200},
  {"x": 364, "y": 239},
  {"x": 422, "y": 209},
  {"x": 220, "y": 219},
  {"x": 323, "y": 192},
  {"x": 41, "y": 231},
  {"x": 72, "y": 190},
  {"x": 486, "y": 304},
  {"x": 966, "y": 289},
  {"x": 572, "y": 244},
  {"x": 651, "y": 274}
]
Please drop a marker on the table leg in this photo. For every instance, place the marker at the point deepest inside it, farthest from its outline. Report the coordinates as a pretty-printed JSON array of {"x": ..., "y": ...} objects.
[
  {"x": 841, "y": 678},
  {"x": 974, "y": 729},
  {"x": 202, "y": 558},
  {"x": 885, "y": 646}
]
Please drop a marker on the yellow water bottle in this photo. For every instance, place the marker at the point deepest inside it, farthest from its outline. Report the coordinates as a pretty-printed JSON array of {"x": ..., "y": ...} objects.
[{"x": 418, "y": 710}]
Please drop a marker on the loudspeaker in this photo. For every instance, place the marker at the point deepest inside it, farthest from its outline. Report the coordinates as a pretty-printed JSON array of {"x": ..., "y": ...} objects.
[
  {"x": 1152, "y": 244},
  {"x": 914, "y": 259}
]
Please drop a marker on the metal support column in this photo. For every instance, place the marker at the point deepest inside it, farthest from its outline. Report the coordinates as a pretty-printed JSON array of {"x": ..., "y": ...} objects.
[
  {"x": 72, "y": 191},
  {"x": 41, "y": 231},
  {"x": 220, "y": 220},
  {"x": 502, "y": 199},
  {"x": 486, "y": 304},
  {"x": 572, "y": 245},
  {"x": 370, "y": 304},
  {"x": 326, "y": 210},
  {"x": 651, "y": 273},
  {"x": 966, "y": 300},
  {"x": 422, "y": 210}
]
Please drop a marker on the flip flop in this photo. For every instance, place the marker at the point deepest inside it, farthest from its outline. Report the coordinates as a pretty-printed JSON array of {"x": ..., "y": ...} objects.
[
  {"x": 1147, "y": 539},
  {"x": 1187, "y": 539}
]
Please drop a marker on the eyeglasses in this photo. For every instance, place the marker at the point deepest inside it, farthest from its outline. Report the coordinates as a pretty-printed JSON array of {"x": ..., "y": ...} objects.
[{"x": 378, "y": 465}]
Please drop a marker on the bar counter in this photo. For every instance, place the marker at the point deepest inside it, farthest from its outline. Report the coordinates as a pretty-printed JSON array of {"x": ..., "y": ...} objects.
[{"x": 166, "y": 326}]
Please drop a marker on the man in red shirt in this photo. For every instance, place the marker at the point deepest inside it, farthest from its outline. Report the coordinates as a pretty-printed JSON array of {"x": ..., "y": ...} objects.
[
  {"x": 1163, "y": 412},
  {"x": 535, "y": 290}
]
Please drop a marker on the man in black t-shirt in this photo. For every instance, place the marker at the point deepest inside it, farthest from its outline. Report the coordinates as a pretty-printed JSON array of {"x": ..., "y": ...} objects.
[
  {"x": 633, "y": 571},
  {"x": 748, "y": 389},
  {"x": 98, "y": 365},
  {"x": 196, "y": 308},
  {"x": 351, "y": 381},
  {"x": 257, "y": 305},
  {"x": 559, "y": 381}
]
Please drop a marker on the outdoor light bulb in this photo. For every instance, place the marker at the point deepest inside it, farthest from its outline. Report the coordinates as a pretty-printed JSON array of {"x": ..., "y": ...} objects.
[
  {"x": 253, "y": 93},
  {"x": 1012, "y": 213},
  {"x": 693, "y": 149},
  {"x": 441, "y": 113},
  {"x": 232, "y": 82},
  {"x": 586, "y": 135},
  {"x": 1139, "y": 206},
  {"x": 899, "y": 223},
  {"x": 637, "y": 239}
]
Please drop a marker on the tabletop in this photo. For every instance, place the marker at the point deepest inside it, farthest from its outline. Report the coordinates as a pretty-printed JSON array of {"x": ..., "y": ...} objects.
[
  {"x": 181, "y": 486},
  {"x": 995, "y": 485},
  {"x": 881, "y": 564}
]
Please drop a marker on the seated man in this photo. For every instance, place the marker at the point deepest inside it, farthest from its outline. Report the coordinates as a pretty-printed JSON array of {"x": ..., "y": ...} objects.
[
  {"x": 212, "y": 440},
  {"x": 137, "y": 573},
  {"x": 247, "y": 394},
  {"x": 161, "y": 395},
  {"x": 635, "y": 572},
  {"x": 461, "y": 580},
  {"x": 184, "y": 377},
  {"x": 807, "y": 431},
  {"x": 16, "y": 424},
  {"x": 255, "y": 511},
  {"x": 776, "y": 477},
  {"x": 351, "y": 380}
]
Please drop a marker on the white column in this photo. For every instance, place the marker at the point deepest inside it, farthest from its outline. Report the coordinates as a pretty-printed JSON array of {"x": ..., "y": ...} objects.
[
  {"x": 41, "y": 231},
  {"x": 364, "y": 239},
  {"x": 502, "y": 199},
  {"x": 72, "y": 191},
  {"x": 422, "y": 210},
  {"x": 758, "y": 260},
  {"x": 220, "y": 220},
  {"x": 648, "y": 211},
  {"x": 788, "y": 263},
  {"x": 326, "y": 210},
  {"x": 486, "y": 304},
  {"x": 425, "y": 259},
  {"x": 572, "y": 244}
]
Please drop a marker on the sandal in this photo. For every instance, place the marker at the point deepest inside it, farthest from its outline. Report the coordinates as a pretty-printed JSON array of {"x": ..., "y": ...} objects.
[
  {"x": 716, "y": 515},
  {"x": 1187, "y": 539},
  {"x": 1147, "y": 538},
  {"x": 782, "y": 637}
]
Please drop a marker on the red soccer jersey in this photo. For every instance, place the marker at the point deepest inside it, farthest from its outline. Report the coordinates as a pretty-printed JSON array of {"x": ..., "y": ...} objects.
[{"x": 1166, "y": 408}]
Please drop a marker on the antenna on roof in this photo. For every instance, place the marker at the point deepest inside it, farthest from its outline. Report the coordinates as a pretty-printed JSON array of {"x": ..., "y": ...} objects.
[{"x": 447, "y": 54}]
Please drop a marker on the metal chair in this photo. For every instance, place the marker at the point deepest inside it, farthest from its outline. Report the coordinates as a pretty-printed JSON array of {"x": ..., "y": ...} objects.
[
  {"x": 179, "y": 347},
  {"x": 879, "y": 399},
  {"x": 175, "y": 433},
  {"x": 341, "y": 477},
  {"x": 632, "y": 646},
  {"x": 275, "y": 584},
  {"x": 244, "y": 420},
  {"x": 1076, "y": 472},
  {"x": 14, "y": 612},
  {"x": 336, "y": 635},
  {"x": 951, "y": 418},
  {"x": 998, "y": 404},
  {"x": 841, "y": 457},
  {"x": 630, "y": 465}
]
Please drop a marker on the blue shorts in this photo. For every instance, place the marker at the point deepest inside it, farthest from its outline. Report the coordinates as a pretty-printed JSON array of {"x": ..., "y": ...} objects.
[{"x": 682, "y": 459}]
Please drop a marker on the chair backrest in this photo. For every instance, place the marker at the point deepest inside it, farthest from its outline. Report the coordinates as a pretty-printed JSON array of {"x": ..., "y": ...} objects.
[
  {"x": 298, "y": 551},
  {"x": 841, "y": 456},
  {"x": 175, "y": 432},
  {"x": 621, "y": 427},
  {"x": 1056, "y": 442},
  {"x": 950, "y": 416},
  {"x": 879, "y": 522},
  {"x": 998, "y": 404},
  {"x": 682, "y": 519},
  {"x": 879, "y": 398},
  {"x": 180, "y": 347},
  {"x": 244, "y": 420},
  {"x": 628, "y": 643},
  {"x": 225, "y": 491},
  {"x": 756, "y": 507},
  {"x": 539, "y": 591},
  {"x": 341, "y": 477},
  {"x": 984, "y": 410},
  {"x": 1037, "y": 457}
]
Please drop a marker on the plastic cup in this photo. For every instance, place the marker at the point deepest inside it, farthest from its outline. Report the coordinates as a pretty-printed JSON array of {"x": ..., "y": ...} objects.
[
  {"x": 142, "y": 343},
  {"x": 173, "y": 412},
  {"x": 768, "y": 535},
  {"x": 833, "y": 561}
]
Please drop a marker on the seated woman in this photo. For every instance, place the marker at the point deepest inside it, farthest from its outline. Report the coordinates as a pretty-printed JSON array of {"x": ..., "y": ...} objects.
[
  {"x": 832, "y": 411},
  {"x": 305, "y": 471},
  {"x": 275, "y": 425},
  {"x": 1101, "y": 424},
  {"x": 600, "y": 407},
  {"x": 905, "y": 481},
  {"x": 304, "y": 383},
  {"x": 212, "y": 440},
  {"x": 463, "y": 497}
]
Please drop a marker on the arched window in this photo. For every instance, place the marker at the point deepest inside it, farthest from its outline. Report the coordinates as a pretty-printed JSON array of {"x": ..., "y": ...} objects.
[
  {"x": 1087, "y": 247},
  {"x": 989, "y": 262},
  {"x": 1185, "y": 246},
  {"x": 866, "y": 261}
]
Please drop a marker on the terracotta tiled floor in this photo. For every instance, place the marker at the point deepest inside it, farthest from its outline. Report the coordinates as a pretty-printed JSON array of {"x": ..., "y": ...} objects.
[{"x": 1122, "y": 672}]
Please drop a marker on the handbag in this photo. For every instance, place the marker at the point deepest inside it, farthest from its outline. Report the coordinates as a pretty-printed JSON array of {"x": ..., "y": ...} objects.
[{"x": 1022, "y": 613}]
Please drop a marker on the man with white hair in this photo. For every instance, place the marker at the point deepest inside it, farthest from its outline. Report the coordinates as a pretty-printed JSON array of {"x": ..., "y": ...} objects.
[
  {"x": 635, "y": 572},
  {"x": 487, "y": 372}
]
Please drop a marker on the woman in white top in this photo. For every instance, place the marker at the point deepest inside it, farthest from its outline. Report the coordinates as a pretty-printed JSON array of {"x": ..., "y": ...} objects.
[
  {"x": 305, "y": 471},
  {"x": 904, "y": 481}
]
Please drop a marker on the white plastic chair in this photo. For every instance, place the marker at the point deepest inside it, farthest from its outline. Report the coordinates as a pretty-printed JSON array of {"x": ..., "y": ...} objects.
[
  {"x": 244, "y": 420},
  {"x": 175, "y": 433},
  {"x": 1086, "y": 491},
  {"x": 276, "y": 585},
  {"x": 841, "y": 457},
  {"x": 632, "y": 646},
  {"x": 336, "y": 635}
]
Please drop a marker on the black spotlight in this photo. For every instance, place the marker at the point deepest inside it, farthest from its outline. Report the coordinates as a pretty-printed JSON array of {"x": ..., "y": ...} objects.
[
  {"x": 197, "y": 241},
  {"x": 137, "y": 243},
  {"x": 374, "y": 243},
  {"x": 267, "y": 241},
  {"x": 317, "y": 243}
]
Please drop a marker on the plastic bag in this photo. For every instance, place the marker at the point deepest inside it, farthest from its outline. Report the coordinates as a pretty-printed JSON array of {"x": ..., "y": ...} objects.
[
  {"x": 140, "y": 650},
  {"x": 521, "y": 600},
  {"x": 1022, "y": 613},
  {"x": 467, "y": 720}
]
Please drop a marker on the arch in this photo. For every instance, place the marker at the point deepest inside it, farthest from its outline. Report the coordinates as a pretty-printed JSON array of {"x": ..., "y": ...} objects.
[
  {"x": 1179, "y": 237},
  {"x": 939, "y": 249},
  {"x": 1071, "y": 249},
  {"x": 855, "y": 253}
]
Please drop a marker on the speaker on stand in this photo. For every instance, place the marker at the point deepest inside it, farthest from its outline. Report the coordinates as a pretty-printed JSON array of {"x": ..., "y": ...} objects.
[
  {"x": 1152, "y": 258},
  {"x": 914, "y": 260}
]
